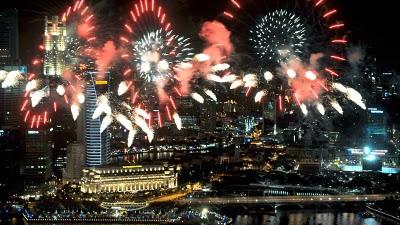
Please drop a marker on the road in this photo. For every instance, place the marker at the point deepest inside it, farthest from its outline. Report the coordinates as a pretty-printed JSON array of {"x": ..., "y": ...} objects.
[{"x": 280, "y": 199}]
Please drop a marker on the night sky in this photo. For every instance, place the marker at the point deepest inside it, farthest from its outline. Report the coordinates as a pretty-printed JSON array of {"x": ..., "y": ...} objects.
[{"x": 372, "y": 24}]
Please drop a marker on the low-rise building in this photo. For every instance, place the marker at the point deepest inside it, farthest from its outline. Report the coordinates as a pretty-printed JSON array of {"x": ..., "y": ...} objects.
[{"x": 129, "y": 178}]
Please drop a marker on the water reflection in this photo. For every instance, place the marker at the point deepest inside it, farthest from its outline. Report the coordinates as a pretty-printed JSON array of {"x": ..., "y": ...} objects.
[
  {"x": 308, "y": 218},
  {"x": 143, "y": 156}
]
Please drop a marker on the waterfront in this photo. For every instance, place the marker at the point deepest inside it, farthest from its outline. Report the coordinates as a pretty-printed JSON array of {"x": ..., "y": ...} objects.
[
  {"x": 281, "y": 217},
  {"x": 307, "y": 217}
]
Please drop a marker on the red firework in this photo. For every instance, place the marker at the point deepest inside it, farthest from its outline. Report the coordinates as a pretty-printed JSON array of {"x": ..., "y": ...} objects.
[
  {"x": 304, "y": 88},
  {"x": 77, "y": 23},
  {"x": 148, "y": 25}
]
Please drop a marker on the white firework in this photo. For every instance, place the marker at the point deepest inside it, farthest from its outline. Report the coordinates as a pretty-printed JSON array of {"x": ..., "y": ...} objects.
[
  {"x": 37, "y": 96},
  {"x": 210, "y": 94},
  {"x": 321, "y": 108},
  {"x": 304, "y": 109},
  {"x": 229, "y": 78},
  {"x": 310, "y": 75},
  {"x": 215, "y": 78},
  {"x": 124, "y": 121},
  {"x": 178, "y": 121},
  {"x": 236, "y": 84},
  {"x": 220, "y": 67},
  {"x": 156, "y": 52},
  {"x": 337, "y": 106},
  {"x": 291, "y": 73},
  {"x": 131, "y": 137},
  {"x": 75, "y": 109},
  {"x": 268, "y": 76},
  {"x": 142, "y": 113},
  {"x": 31, "y": 85},
  {"x": 107, "y": 120},
  {"x": 260, "y": 95},
  {"x": 201, "y": 57},
  {"x": 81, "y": 98},
  {"x": 279, "y": 35},
  {"x": 122, "y": 88},
  {"x": 11, "y": 79},
  {"x": 197, "y": 97},
  {"x": 60, "y": 90},
  {"x": 3, "y": 75}
]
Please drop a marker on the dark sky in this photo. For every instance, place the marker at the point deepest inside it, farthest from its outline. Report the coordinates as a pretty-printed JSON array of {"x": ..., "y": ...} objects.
[{"x": 372, "y": 24}]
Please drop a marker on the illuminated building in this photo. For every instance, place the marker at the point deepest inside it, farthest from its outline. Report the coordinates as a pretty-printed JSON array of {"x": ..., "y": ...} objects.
[
  {"x": 37, "y": 161},
  {"x": 133, "y": 178},
  {"x": 97, "y": 145},
  {"x": 9, "y": 47},
  {"x": 377, "y": 137},
  {"x": 54, "y": 44}
]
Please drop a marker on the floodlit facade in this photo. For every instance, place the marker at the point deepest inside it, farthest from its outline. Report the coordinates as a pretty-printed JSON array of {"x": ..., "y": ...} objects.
[
  {"x": 132, "y": 178},
  {"x": 54, "y": 45}
]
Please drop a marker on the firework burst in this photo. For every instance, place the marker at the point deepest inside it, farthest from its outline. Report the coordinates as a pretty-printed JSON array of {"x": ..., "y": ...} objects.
[
  {"x": 67, "y": 55},
  {"x": 298, "y": 72},
  {"x": 279, "y": 35},
  {"x": 150, "y": 53}
]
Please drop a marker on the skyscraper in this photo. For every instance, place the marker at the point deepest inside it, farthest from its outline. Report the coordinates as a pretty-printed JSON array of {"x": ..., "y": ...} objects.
[
  {"x": 37, "y": 167},
  {"x": 98, "y": 145},
  {"x": 55, "y": 32},
  {"x": 377, "y": 135},
  {"x": 10, "y": 102},
  {"x": 9, "y": 54},
  {"x": 12, "y": 147},
  {"x": 9, "y": 47}
]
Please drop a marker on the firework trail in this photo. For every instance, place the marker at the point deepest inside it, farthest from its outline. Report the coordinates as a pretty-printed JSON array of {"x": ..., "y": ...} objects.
[
  {"x": 294, "y": 73},
  {"x": 59, "y": 74}
]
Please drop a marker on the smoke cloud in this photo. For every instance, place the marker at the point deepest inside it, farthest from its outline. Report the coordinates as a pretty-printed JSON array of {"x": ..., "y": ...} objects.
[
  {"x": 218, "y": 48},
  {"x": 105, "y": 57}
]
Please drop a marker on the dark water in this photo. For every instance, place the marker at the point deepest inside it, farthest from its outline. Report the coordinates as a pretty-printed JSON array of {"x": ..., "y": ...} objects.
[
  {"x": 311, "y": 217},
  {"x": 143, "y": 156}
]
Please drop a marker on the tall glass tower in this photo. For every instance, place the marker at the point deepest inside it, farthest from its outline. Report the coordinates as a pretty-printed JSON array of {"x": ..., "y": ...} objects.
[{"x": 98, "y": 145}]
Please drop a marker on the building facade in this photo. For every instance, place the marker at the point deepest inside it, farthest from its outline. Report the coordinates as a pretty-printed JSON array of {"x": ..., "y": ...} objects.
[
  {"x": 75, "y": 162},
  {"x": 55, "y": 34},
  {"x": 37, "y": 167},
  {"x": 12, "y": 148},
  {"x": 9, "y": 47},
  {"x": 132, "y": 178},
  {"x": 97, "y": 145},
  {"x": 377, "y": 133}
]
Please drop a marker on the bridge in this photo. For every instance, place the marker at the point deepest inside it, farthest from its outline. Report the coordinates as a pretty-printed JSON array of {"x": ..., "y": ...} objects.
[{"x": 228, "y": 200}]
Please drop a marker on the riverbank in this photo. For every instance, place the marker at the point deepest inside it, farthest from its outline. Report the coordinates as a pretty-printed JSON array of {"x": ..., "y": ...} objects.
[{"x": 383, "y": 214}]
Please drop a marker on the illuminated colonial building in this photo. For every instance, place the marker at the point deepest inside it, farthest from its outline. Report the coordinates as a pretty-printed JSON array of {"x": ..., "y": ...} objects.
[
  {"x": 131, "y": 178},
  {"x": 55, "y": 33}
]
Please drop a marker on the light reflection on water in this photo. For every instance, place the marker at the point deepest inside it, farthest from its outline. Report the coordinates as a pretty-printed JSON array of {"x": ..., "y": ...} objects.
[
  {"x": 143, "y": 156},
  {"x": 307, "y": 218}
]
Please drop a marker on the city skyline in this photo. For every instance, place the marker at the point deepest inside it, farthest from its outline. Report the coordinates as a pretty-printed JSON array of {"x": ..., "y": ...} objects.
[{"x": 199, "y": 112}]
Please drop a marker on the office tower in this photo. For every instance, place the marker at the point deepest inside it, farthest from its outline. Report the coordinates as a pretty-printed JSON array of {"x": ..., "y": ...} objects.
[
  {"x": 37, "y": 167},
  {"x": 9, "y": 47},
  {"x": 12, "y": 148},
  {"x": 9, "y": 60},
  {"x": 10, "y": 101},
  {"x": 377, "y": 135},
  {"x": 76, "y": 151},
  {"x": 55, "y": 33},
  {"x": 97, "y": 145},
  {"x": 75, "y": 162}
]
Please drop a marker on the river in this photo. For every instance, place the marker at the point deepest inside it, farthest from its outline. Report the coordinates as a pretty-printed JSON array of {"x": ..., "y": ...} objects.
[{"x": 311, "y": 217}]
